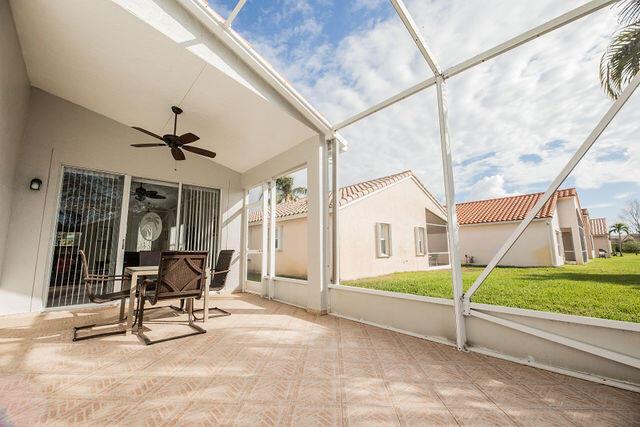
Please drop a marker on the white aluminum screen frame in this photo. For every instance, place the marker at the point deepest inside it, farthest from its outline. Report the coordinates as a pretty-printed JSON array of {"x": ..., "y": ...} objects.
[{"x": 462, "y": 300}]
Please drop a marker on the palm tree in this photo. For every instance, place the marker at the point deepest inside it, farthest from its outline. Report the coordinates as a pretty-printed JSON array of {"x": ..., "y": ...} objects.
[
  {"x": 621, "y": 61},
  {"x": 619, "y": 228},
  {"x": 286, "y": 192}
]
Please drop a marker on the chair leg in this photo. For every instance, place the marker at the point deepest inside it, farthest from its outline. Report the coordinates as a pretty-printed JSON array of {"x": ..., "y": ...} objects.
[
  {"x": 224, "y": 313},
  {"x": 197, "y": 328},
  {"x": 75, "y": 330}
]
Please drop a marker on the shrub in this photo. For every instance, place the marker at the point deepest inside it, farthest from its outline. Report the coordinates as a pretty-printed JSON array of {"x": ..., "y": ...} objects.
[{"x": 631, "y": 246}]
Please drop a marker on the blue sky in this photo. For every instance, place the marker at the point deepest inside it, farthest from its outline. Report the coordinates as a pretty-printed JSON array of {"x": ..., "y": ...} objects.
[{"x": 514, "y": 120}]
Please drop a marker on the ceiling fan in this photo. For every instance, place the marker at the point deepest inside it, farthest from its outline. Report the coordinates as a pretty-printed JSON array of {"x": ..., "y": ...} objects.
[
  {"x": 175, "y": 142},
  {"x": 142, "y": 193}
]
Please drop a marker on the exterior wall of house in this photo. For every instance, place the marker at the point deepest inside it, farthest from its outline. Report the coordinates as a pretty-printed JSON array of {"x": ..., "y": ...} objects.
[
  {"x": 403, "y": 206},
  {"x": 61, "y": 133},
  {"x": 535, "y": 248},
  {"x": 14, "y": 100},
  {"x": 568, "y": 211},
  {"x": 591, "y": 252},
  {"x": 291, "y": 260},
  {"x": 602, "y": 242}
]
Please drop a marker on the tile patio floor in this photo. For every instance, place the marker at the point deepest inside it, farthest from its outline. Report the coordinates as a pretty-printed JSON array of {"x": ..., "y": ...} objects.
[{"x": 273, "y": 364}]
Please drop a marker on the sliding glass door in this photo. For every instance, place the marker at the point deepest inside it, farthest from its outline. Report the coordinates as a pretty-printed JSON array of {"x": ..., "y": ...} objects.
[
  {"x": 120, "y": 221},
  {"x": 88, "y": 219}
]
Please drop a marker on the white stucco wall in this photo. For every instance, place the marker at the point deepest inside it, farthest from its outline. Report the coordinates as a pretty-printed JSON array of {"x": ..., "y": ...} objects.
[
  {"x": 483, "y": 241},
  {"x": 14, "y": 100},
  {"x": 61, "y": 133},
  {"x": 602, "y": 242},
  {"x": 567, "y": 209}
]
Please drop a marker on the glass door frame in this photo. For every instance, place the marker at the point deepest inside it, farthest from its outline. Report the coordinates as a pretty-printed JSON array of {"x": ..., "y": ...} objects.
[{"x": 122, "y": 230}]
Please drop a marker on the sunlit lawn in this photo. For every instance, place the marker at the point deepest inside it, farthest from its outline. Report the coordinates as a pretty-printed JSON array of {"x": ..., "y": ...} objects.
[{"x": 605, "y": 288}]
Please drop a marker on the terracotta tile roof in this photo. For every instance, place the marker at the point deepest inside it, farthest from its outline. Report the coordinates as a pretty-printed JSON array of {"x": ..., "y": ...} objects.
[
  {"x": 348, "y": 194},
  {"x": 512, "y": 208},
  {"x": 599, "y": 227}
]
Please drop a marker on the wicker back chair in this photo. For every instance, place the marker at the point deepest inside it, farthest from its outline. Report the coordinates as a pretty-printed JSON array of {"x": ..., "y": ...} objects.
[
  {"x": 181, "y": 275},
  {"x": 91, "y": 283}
]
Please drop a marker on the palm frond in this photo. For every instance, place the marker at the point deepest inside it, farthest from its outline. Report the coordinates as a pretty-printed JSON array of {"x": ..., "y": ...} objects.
[
  {"x": 621, "y": 61},
  {"x": 629, "y": 12}
]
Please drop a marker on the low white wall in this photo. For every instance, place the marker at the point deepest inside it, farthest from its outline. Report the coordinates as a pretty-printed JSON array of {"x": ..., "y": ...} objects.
[
  {"x": 62, "y": 133},
  {"x": 483, "y": 241},
  {"x": 433, "y": 318},
  {"x": 292, "y": 292}
]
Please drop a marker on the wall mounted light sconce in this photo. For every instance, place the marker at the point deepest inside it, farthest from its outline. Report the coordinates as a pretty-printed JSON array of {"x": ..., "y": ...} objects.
[{"x": 35, "y": 184}]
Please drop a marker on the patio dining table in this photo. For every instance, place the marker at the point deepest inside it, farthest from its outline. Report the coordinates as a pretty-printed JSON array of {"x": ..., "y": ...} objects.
[{"x": 152, "y": 270}]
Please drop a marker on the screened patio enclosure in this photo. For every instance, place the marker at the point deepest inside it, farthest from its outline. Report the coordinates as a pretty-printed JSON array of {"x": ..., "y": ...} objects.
[{"x": 75, "y": 133}]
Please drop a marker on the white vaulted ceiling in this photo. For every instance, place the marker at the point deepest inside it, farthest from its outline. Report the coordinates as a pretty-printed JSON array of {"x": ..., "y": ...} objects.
[{"x": 132, "y": 60}]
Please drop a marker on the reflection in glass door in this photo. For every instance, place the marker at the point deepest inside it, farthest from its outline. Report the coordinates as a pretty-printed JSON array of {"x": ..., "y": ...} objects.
[
  {"x": 152, "y": 217},
  {"x": 88, "y": 219}
]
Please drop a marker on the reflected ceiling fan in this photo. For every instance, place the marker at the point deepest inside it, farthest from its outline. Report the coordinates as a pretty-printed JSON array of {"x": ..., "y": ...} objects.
[
  {"x": 142, "y": 193},
  {"x": 175, "y": 142}
]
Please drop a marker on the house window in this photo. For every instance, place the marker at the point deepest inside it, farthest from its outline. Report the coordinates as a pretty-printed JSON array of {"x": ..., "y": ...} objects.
[
  {"x": 278, "y": 240},
  {"x": 420, "y": 234},
  {"x": 383, "y": 238}
]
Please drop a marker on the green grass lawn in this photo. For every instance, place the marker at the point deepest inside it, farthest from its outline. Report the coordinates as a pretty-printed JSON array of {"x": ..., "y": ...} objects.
[{"x": 605, "y": 288}]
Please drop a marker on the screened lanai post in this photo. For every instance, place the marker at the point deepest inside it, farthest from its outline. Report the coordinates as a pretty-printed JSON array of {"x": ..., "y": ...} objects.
[
  {"x": 452, "y": 220},
  {"x": 335, "y": 229},
  {"x": 265, "y": 240},
  {"x": 273, "y": 193},
  {"x": 244, "y": 238},
  {"x": 553, "y": 187}
]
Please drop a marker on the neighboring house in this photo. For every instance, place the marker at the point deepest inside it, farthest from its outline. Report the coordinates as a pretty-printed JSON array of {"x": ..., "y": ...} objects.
[
  {"x": 600, "y": 233},
  {"x": 387, "y": 225},
  {"x": 558, "y": 234}
]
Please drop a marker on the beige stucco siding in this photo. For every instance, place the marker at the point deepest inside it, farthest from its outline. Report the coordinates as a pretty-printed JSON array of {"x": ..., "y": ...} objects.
[
  {"x": 402, "y": 205},
  {"x": 533, "y": 248},
  {"x": 602, "y": 242}
]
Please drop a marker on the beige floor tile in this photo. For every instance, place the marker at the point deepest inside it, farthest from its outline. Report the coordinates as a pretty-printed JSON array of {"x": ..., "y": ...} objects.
[
  {"x": 253, "y": 415},
  {"x": 419, "y": 415},
  {"x": 273, "y": 364},
  {"x": 537, "y": 417},
  {"x": 371, "y": 416},
  {"x": 462, "y": 395},
  {"x": 316, "y": 416},
  {"x": 423, "y": 394},
  {"x": 481, "y": 417},
  {"x": 316, "y": 391}
]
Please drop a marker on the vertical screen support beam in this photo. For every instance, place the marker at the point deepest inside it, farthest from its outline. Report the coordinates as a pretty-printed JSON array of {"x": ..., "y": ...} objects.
[
  {"x": 272, "y": 239},
  {"x": 265, "y": 240},
  {"x": 452, "y": 220},
  {"x": 335, "y": 229},
  {"x": 553, "y": 187}
]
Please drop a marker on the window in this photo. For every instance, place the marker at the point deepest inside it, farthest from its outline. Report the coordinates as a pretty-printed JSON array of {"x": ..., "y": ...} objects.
[
  {"x": 420, "y": 234},
  {"x": 383, "y": 237},
  {"x": 278, "y": 237}
]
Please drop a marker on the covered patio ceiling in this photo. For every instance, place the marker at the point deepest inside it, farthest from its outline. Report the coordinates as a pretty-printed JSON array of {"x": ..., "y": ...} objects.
[{"x": 132, "y": 64}]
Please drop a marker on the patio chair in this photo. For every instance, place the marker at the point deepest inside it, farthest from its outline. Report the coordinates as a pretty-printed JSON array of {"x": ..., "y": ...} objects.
[
  {"x": 181, "y": 275},
  {"x": 93, "y": 281},
  {"x": 219, "y": 278}
]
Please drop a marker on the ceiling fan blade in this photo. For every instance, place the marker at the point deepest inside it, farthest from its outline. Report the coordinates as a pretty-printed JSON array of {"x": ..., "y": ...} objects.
[
  {"x": 188, "y": 138},
  {"x": 148, "y": 132},
  {"x": 155, "y": 196},
  {"x": 177, "y": 153},
  {"x": 147, "y": 145},
  {"x": 201, "y": 151}
]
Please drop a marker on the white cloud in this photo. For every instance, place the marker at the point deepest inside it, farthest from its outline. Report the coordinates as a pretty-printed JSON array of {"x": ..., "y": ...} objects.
[
  {"x": 510, "y": 106},
  {"x": 489, "y": 187}
]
